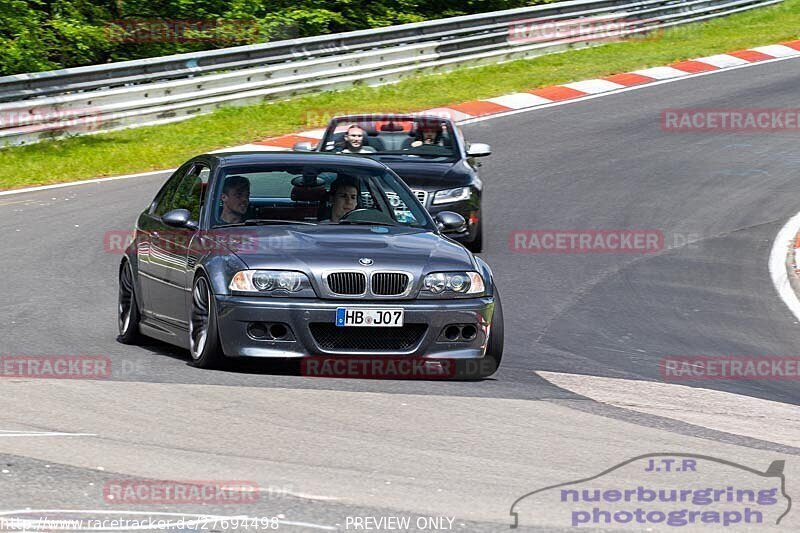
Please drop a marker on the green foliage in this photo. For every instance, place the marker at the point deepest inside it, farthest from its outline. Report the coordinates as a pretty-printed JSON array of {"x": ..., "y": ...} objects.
[
  {"x": 40, "y": 35},
  {"x": 169, "y": 145}
]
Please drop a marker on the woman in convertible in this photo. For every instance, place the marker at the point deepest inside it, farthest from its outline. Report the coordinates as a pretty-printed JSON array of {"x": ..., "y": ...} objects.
[{"x": 425, "y": 134}]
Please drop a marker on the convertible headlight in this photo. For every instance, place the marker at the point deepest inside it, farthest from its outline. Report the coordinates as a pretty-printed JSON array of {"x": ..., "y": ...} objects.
[
  {"x": 269, "y": 281},
  {"x": 450, "y": 284},
  {"x": 452, "y": 195}
]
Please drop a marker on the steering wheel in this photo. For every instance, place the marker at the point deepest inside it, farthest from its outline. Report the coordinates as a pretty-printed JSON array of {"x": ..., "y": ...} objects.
[{"x": 366, "y": 215}]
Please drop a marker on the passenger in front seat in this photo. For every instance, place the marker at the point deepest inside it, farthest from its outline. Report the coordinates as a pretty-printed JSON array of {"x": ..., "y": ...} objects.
[{"x": 428, "y": 133}]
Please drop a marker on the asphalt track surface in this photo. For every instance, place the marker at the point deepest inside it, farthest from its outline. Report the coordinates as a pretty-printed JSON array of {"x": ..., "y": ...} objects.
[{"x": 326, "y": 449}]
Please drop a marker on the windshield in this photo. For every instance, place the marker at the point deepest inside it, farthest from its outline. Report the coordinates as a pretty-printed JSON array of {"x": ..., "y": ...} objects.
[
  {"x": 420, "y": 137},
  {"x": 314, "y": 194}
]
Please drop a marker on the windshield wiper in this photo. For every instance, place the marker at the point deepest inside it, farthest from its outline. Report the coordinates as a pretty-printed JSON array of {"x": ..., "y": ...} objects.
[{"x": 264, "y": 222}]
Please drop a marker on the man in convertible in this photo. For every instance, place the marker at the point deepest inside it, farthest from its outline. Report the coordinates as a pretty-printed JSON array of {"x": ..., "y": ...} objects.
[{"x": 353, "y": 142}]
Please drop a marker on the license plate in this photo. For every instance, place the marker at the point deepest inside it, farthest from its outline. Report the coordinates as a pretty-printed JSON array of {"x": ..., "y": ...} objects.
[{"x": 349, "y": 316}]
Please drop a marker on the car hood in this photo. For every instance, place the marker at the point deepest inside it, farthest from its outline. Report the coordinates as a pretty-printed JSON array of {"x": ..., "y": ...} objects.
[
  {"x": 422, "y": 174},
  {"x": 325, "y": 247}
]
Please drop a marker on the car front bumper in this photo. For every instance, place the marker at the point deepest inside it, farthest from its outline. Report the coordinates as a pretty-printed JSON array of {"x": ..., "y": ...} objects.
[{"x": 237, "y": 314}]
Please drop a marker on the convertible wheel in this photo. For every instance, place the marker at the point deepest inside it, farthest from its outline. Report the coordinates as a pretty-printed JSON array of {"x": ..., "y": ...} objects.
[
  {"x": 204, "y": 345},
  {"x": 476, "y": 246},
  {"x": 127, "y": 308},
  {"x": 494, "y": 350}
]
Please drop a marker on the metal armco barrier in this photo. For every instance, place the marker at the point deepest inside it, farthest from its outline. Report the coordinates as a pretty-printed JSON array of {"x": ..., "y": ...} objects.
[{"x": 159, "y": 90}]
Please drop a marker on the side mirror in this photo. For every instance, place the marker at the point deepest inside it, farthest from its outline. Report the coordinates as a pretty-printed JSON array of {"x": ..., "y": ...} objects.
[
  {"x": 479, "y": 150},
  {"x": 179, "y": 218},
  {"x": 450, "y": 222},
  {"x": 303, "y": 146}
]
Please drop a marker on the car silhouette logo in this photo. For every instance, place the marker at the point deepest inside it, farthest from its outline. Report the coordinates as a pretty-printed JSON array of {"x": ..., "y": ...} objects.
[{"x": 366, "y": 261}]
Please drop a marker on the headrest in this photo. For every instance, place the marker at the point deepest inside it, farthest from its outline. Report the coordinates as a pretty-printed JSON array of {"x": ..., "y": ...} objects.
[
  {"x": 392, "y": 126},
  {"x": 308, "y": 180}
]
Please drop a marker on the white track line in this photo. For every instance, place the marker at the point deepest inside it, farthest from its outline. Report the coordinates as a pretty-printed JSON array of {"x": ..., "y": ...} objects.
[
  {"x": 661, "y": 73},
  {"x": 34, "y": 433},
  {"x": 618, "y": 91},
  {"x": 84, "y": 182},
  {"x": 54, "y": 434},
  {"x": 777, "y": 264},
  {"x": 594, "y": 86},
  {"x": 456, "y": 114}
]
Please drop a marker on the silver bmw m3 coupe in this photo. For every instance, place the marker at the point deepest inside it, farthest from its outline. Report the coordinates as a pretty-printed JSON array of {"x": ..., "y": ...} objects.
[{"x": 294, "y": 255}]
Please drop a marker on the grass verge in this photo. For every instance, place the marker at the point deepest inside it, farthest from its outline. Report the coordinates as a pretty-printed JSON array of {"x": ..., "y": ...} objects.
[{"x": 158, "y": 147}]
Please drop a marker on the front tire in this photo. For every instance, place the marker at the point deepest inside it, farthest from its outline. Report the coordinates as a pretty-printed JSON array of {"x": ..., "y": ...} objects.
[
  {"x": 494, "y": 350},
  {"x": 128, "y": 316},
  {"x": 204, "y": 344},
  {"x": 476, "y": 246}
]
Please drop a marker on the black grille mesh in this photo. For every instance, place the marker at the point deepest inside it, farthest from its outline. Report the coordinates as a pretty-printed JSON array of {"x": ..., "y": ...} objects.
[
  {"x": 335, "y": 338},
  {"x": 389, "y": 283},
  {"x": 347, "y": 282}
]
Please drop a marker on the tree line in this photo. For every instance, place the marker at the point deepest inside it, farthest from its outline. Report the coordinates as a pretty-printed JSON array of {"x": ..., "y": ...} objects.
[{"x": 37, "y": 35}]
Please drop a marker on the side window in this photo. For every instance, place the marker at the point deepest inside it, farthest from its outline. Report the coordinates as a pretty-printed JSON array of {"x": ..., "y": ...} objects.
[
  {"x": 191, "y": 192},
  {"x": 164, "y": 201}
]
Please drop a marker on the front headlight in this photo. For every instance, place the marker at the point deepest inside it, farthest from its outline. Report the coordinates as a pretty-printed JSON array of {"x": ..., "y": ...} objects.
[
  {"x": 452, "y": 285},
  {"x": 449, "y": 196},
  {"x": 269, "y": 281}
]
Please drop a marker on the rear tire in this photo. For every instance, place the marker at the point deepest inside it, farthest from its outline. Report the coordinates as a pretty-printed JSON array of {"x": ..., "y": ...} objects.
[
  {"x": 204, "y": 345},
  {"x": 128, "y": 316}
]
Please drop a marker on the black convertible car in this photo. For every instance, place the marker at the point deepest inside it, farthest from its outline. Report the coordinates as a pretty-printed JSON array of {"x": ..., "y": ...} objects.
[
  {"x": 289, "y": 255},
  {"x": 427, "y": 151}
]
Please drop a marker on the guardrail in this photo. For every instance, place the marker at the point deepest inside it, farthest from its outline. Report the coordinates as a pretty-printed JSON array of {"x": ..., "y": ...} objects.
[{"x": 166, "y": 89}]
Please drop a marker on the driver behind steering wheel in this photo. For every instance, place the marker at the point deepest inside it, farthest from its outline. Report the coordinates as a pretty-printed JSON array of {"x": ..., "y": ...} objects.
[{"x": 343, "y": 197}]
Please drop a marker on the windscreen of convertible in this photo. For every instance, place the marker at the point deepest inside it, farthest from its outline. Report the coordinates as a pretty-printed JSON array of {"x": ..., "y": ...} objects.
[
  {"x": 313, "y": 194},
  {"x": 424, "y": 137}
]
